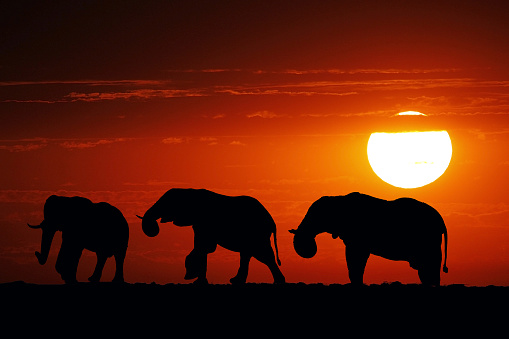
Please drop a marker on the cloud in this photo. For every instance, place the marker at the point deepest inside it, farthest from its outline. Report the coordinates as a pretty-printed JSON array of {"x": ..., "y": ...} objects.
[
  {"x": 211, "y": 141},
  {"x": 314, "y": 82},
  {"x": 173, "y": 140},
  {"x": 23, "y": 145},
  {"x": 22, "y": 148},
  {"x": 264, "y": 115},
  {"x": 208, "y": 70},
  {"x": 279, "y": 91},
  {"x": 77, "y": 144},
  {"x": 26, "y": 145},
  {"x": 139, "y": 82},
  {"x": 140, "y": 94},
  {"x": 237, "y": 143},
  {"x": 324, "y": 71}
]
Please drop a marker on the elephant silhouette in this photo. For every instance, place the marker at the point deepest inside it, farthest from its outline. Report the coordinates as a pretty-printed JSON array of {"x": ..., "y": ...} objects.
[
  {"x": 403, "y": 229},
  {"x": 97, "y": 227},
  {"x": 240, "y": 224}
]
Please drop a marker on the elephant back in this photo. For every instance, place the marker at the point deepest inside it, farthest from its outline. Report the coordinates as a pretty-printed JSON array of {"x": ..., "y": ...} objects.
[
  {"x": 66, "y": 210},
  {"x": 109, "y": 228}
]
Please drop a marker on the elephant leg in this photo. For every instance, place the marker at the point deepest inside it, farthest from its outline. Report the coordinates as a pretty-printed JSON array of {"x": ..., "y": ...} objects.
[
  {"x": 119, "y": 266},
  {"x": 67, "y": 261},
  {"x": 241, "y": 276},
  {"x": 266, "y": 256},
  {"x": 429, "y": 268},
  {"x": 356, "y": 259},
  {"x": 196, "y": 261},
  {"x": 428, "y": 277},
  {"x": 196, "y": 266},
  {"x": 98, "y": 271}
]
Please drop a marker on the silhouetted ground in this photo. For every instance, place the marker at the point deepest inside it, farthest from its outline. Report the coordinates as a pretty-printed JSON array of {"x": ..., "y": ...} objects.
[{"x": 128, "y": 310}]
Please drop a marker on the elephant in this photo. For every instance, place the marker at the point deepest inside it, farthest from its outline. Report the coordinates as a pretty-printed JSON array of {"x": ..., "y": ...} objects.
[
  {"x": 97, "y": 227},
  {"x": 237, "y": 223},
  {"x": 404, "y": 229}
]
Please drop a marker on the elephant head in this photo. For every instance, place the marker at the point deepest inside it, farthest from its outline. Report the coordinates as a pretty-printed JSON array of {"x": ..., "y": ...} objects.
[
  {"x": 50, "y": 225},
  {"x": 58, "y": 211},
  {"x": 315, "y": 222},
  {"x": 176, "y": 206}
]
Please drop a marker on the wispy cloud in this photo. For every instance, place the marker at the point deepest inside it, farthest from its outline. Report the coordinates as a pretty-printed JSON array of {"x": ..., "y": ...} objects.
[
  {"x": 26, "y": 145},
  {"x": 211, "y": 141},
  {"x": 133, "y": 82},
  {"x": 317, "y": 82},
  {"x": 23, "y": 147},
  {"x": 173, "y": 140},
  {"x": 139, "y": 94},
  {"x": 90, "y": 144},
  {"x": 335, "y": 71},
  {"x": 279, "y": 91},
  {"x": 264, "y": 115}
]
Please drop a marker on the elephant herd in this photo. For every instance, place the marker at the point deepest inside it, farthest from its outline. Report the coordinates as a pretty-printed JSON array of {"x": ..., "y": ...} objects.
[{"x": 403, "y": 229}]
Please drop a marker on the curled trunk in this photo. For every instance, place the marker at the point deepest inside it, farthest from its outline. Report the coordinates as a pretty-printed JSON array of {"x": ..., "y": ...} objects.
[{"x": 149, "y": 223}]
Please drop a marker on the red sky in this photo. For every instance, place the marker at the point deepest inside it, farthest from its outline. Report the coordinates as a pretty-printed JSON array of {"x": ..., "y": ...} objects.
[{"x": 121, "y": 102}]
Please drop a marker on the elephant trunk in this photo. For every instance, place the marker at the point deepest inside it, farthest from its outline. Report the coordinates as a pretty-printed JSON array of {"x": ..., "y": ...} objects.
[
  {"x": 305, "y": 246},
  {"x": 149, "y": 226},
  {"x": 47, "y": 239},
  {"x": 304, "y": 241}
]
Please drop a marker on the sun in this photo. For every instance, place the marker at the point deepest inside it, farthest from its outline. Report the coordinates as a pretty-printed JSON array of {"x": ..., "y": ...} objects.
[{"x": 409, "y": 159}]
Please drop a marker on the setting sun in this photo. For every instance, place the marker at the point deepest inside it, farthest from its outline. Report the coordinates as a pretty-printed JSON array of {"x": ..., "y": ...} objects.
[{"x": 409, "y": 159}]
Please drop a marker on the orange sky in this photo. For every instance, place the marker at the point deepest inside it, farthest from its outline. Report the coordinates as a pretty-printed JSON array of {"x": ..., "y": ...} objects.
[{"x": 277, "y": 100}]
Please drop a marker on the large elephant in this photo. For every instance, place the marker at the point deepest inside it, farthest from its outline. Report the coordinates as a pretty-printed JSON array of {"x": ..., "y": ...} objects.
[
  {"x": 239, "y": 224},
  {"x": 98, "y": 227},
  {"x": 402, "y": 229}
]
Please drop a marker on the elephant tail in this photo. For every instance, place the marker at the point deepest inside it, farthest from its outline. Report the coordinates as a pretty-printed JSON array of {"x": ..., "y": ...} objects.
[
  {"x": 275, "y": 246},
  {"x": 445, "y": 269}
]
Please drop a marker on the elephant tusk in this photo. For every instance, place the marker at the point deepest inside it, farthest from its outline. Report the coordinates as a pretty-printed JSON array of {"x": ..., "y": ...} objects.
[
  {"x": 34, "y": 226},
  {"x": 139, "y": 217}
]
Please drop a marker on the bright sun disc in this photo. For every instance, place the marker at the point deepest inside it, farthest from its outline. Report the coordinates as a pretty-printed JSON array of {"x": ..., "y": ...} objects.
[{"x": 409, "y": 159}]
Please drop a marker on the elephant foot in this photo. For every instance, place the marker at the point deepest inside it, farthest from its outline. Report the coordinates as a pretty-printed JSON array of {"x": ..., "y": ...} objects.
[
  {"x": 280, "y": 280},
  {"x": 94, "y": 279},
  {"x": 201, "y": 281},
  {"x": 118, "y": 280},
  {"x": 237, "y": 280}
]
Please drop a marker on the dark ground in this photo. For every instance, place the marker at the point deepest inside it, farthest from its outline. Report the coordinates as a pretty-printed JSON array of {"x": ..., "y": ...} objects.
[{"x": 149, "y": 310}]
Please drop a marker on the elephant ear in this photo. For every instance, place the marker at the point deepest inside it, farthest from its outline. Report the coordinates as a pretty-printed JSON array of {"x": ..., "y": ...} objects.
[
  {"x": 180, "y": 206},
  {"x": 179, "y": 215},
  {"x": 183, "y": 221},
  {"x": 189, "y": 208}
]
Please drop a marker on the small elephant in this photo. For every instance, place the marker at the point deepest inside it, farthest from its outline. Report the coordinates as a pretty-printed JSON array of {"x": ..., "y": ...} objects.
[
  {"x": 97, "y": 227},
  {"x": 239, "y": 224},
  {"x": 402, "y": 229}
]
